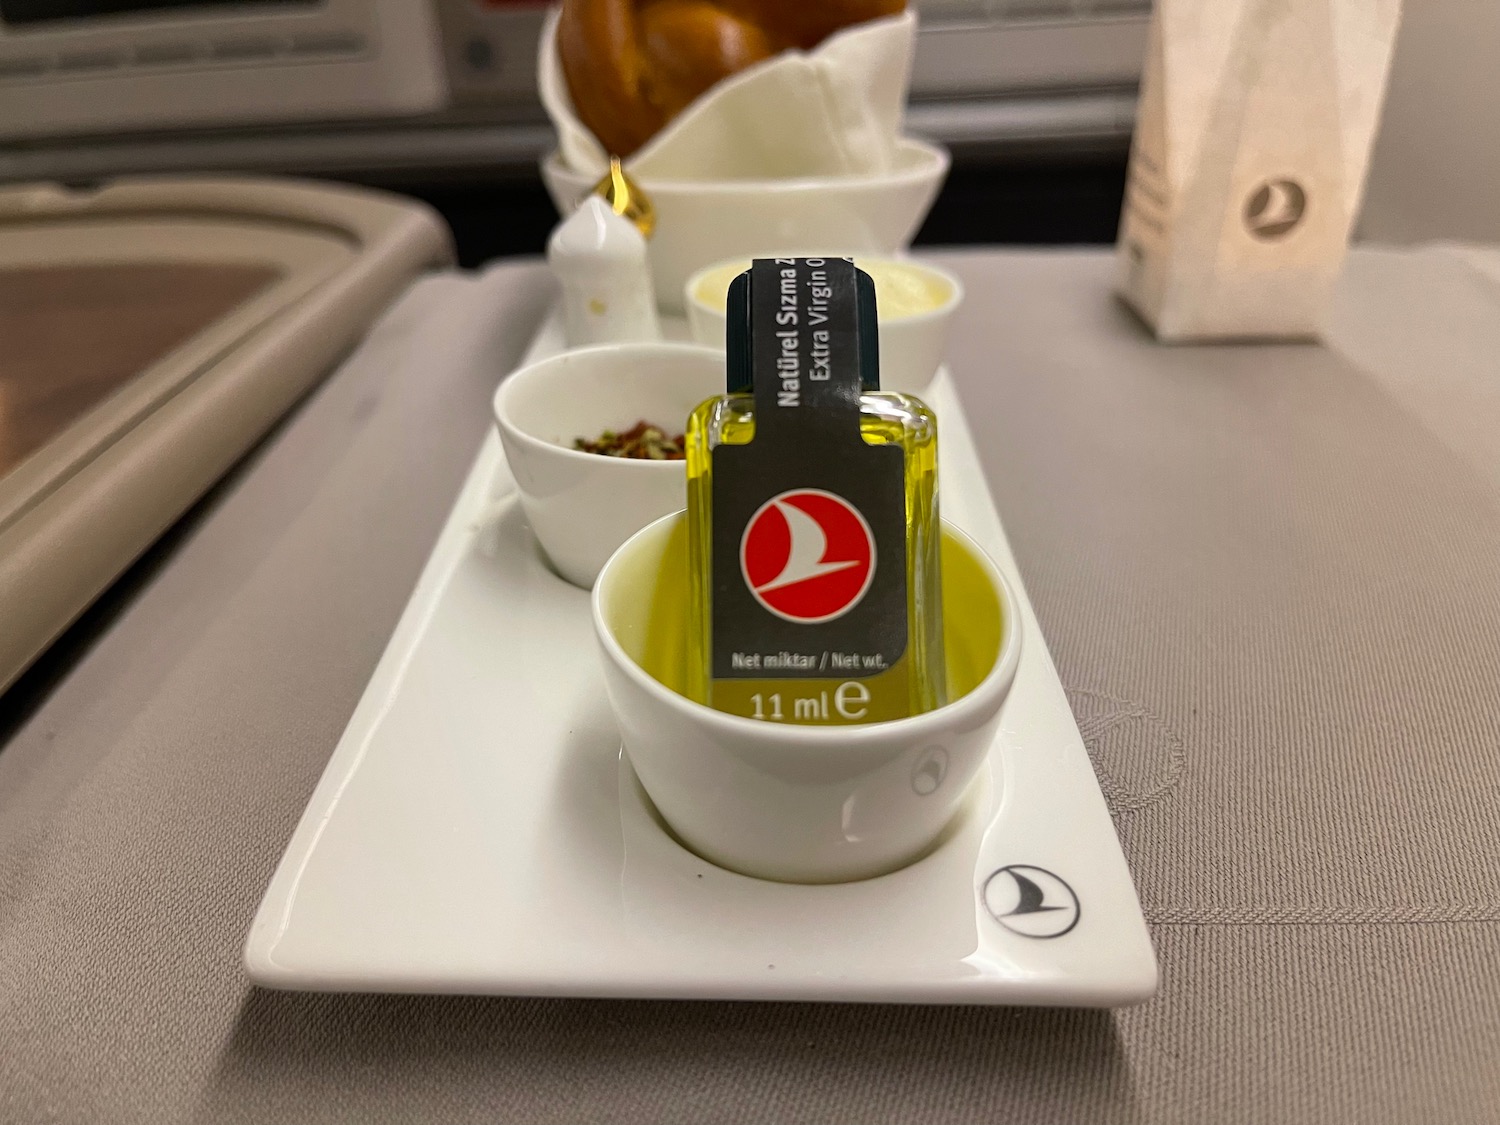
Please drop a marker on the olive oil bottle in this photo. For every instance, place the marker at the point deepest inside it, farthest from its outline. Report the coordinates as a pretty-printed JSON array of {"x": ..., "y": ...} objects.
[{"x": 812, "y": 513}]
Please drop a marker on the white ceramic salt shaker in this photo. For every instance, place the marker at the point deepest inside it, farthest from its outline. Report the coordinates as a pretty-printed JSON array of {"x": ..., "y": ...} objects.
[{"x": 600, "y": 259}]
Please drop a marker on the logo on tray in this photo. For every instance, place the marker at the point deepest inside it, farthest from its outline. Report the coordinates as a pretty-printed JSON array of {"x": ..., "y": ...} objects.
[
  {"x": 808, "y": 555},
  {"x": 1030, "y": 901},
  {"x": 1274, "y": 208}
]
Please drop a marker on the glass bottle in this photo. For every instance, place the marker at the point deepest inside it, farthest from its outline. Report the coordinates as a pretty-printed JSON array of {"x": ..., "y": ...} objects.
[{"x": 802, "y": 352}]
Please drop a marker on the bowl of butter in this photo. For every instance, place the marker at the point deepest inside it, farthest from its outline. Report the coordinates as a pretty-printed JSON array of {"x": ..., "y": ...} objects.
[{"x": 915, "y": 303}]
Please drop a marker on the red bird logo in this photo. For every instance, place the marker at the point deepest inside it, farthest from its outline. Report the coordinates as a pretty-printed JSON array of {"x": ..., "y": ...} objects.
[{"x": 808, "y": 555}]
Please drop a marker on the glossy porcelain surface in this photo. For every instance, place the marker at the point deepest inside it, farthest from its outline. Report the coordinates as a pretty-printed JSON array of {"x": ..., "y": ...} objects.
[
  {"x": 478, "y": 830},
  {"x": 701, "y": 222},
  {"x": 911, "y": 345},
  {"x": 800, "y": 803},
  {"x": 582, "y": 506}
]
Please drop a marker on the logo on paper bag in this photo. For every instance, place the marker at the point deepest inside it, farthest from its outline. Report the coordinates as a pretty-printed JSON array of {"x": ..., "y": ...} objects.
[
  {"x": 1275, "y": 208},
  {"x": 808, "y": 556}
]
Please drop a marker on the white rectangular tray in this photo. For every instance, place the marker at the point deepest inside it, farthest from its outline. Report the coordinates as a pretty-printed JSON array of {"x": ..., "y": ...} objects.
[{"x": 477, "y": 829}]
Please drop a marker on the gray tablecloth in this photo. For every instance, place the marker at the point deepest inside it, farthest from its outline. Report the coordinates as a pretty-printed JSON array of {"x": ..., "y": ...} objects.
[{"x": 1271, "y": 581}]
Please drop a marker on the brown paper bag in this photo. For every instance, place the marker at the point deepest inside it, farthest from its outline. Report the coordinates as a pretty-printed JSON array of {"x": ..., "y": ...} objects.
[{"x": 1254, "y": 132}]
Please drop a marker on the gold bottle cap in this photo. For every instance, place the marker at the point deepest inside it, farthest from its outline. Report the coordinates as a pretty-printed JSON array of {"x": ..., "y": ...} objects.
[{"x": 626, "y": 198}]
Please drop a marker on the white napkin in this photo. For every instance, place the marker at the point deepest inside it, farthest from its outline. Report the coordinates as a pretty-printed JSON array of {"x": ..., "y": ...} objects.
[{"x": 833, "y": 111}]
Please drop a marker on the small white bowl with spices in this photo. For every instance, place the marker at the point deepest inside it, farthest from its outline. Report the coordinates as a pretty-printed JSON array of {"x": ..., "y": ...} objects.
[{"x": 582, "y": 505}]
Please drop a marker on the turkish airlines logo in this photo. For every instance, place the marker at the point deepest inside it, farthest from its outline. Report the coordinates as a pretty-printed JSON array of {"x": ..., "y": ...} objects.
[
  {"x": 1274, "y": 208},
  {"x": 1031, "y": 901},
  {"x": 808, "y": 556}
]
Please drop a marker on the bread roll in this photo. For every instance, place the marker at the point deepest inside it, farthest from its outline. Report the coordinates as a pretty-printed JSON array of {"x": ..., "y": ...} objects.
[{"x": 633, "y": 65}]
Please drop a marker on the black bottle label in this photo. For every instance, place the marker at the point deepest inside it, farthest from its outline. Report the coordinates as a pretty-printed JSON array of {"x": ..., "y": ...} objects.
[{"x": 809, "y": 520}]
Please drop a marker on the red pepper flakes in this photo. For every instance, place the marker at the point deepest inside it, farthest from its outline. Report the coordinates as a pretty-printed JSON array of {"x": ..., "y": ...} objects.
[{"x": 642, "y": 442}]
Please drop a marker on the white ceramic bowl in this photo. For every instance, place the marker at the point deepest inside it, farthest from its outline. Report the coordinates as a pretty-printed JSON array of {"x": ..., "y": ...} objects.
[
  {"x": 700, "y": 222},
  {"x": 582, "y": 506},
  {"x": 911, "y": 344},
  {"x": 799, "y": 803}
]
